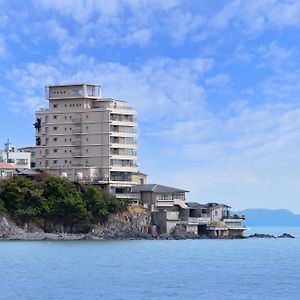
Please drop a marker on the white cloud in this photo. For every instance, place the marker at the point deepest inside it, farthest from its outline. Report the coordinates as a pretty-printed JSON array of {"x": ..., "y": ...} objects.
[{"x": 218, "y": 80}]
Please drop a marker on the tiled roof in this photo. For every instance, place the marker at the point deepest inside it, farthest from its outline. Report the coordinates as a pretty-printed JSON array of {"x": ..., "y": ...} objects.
[
  {"x": 156, "y": 188},
  {"x": 6, "y": 166}
]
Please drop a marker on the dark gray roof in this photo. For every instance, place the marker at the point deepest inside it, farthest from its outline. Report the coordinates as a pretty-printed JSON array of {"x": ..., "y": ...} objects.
[
  {"x": 156, "y": 188},
  {"x": 28, "y": 172},
  {"x": 197, "y": 205}
]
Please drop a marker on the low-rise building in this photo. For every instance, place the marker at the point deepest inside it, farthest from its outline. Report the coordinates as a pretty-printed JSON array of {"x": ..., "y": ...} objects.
[
  {"x": 169, "y": 209},
  {"x": 19, "y": 159},
  {"x": 32, "y": 151},
  {"x": 6, "y": 170}
]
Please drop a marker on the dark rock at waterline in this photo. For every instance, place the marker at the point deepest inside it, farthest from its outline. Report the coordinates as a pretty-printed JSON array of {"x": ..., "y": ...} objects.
[
  {"x": 286, "y": 236},
  {"x": 262, "y": 236}
]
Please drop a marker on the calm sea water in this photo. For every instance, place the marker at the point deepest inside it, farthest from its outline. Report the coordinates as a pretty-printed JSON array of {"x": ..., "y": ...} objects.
[{"x": 188, "y": 269}]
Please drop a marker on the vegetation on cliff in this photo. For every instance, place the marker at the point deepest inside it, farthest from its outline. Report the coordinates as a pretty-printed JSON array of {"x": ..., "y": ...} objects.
[{"x": 56, "y": 204}]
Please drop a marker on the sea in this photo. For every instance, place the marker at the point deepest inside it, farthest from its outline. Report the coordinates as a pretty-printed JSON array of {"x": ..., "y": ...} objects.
[{"x": 140, "y": 269}]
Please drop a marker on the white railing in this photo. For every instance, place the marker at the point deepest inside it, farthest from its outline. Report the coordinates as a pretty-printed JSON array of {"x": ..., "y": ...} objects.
[{"x": 199, "y": 220}]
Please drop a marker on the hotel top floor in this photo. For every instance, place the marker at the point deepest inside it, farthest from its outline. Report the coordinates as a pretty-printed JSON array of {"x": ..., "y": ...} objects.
[{"x": 73, "y": 91}]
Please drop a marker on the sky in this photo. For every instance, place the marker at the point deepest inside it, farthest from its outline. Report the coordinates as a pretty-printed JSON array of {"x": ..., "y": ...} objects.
[{"x": 216, "y": 85}]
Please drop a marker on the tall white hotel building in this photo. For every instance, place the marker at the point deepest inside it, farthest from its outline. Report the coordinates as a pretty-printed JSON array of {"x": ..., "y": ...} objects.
[{"x": 85, "y": 137}]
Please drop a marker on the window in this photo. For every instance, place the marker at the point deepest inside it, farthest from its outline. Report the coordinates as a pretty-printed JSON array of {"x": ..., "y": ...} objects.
[
  {"x": 54, "y": 128},
  {"x": 54, "y": 139},
  {"x": 55, "y": 117},
  {"x": 55, "y": 150},
  {"x": 66, "y": 161},
  {"x": 55, "y": 161},
  {"x": 55, "y": 105}
]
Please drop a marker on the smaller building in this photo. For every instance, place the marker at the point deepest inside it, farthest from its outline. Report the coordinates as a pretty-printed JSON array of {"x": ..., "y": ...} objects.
[
  {"x": 139, "y": 178},
  {"x": 19, "y": 159},
  {"x": 6, "y": 170},
  {"x": 159, "y": 196},
  {"x": 169, "y": 209},
  {"x": 32, "y": 151}
]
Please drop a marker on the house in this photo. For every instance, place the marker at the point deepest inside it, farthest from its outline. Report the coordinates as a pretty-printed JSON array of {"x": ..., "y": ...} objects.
[
  {"x": 169, "y": 209},
  {"x": 159, "y": 196},
  {"x": 212, "y": 219},
  {"x": 16, "y": 157},
  {"x": 6, "y": 170}
]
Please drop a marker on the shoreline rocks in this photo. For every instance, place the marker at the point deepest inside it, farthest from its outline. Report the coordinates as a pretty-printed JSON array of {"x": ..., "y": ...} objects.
[{"x": 128, "y": 226}]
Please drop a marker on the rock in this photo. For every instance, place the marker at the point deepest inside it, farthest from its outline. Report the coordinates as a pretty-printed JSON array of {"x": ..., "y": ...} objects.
[
  {"x": 286, "y": 236},
  {"x": 261, "y": 235}
]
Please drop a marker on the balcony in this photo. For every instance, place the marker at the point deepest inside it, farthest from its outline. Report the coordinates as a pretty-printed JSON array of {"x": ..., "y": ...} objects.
[
  {"x": 77, "y": 143},
  {"x": 172, "y": 215},
  {"x": 76, "y": 120},
  {"x": 76, "y": 154},
  {"x": 77, "y": 131},
  {"x": 128, "y": 196},
  {"x": 199, "y": 220}
]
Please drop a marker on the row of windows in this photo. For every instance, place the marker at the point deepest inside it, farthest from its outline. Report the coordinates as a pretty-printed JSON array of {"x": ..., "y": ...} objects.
[
  {"x": 55, "y": 161},
  {"x": 70, "y": 105}
]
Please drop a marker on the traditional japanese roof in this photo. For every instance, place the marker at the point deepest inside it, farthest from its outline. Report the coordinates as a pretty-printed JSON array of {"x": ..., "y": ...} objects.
[
  {"x": 6, "y": 166},
  {"x": 156, "y": 188}
]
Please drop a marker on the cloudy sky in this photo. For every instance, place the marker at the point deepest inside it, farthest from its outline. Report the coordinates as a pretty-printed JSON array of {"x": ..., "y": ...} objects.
[{"x": 216, "y": 85}]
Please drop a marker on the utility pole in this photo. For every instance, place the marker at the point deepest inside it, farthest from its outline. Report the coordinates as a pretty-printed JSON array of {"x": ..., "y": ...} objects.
[{"x": 7, "y": 150}]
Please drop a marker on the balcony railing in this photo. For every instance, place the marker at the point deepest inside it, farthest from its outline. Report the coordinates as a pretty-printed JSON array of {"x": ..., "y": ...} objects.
[
  {"x": 199, "y": 220},
  {"x": 76, "y": 154},
  {"x": 128, "y": 196},
  {"x": 77, "y": 131},
  {"x": 76, "y": 120},
  {"x": 76, "y": 143}
]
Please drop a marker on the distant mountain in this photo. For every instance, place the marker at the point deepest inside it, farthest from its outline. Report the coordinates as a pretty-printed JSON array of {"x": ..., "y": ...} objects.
[{"x": 269, "y": 217}]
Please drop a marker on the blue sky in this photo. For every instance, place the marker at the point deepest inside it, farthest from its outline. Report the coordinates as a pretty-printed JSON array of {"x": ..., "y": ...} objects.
[{"x": 216, "y": 85}]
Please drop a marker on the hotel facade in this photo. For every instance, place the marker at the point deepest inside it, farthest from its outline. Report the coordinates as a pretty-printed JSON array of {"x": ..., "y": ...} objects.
[{"x": 83, "y": 136}]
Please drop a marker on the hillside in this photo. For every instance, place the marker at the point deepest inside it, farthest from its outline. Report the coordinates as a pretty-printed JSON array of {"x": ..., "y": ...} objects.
[{"x": 269, "y": 217}]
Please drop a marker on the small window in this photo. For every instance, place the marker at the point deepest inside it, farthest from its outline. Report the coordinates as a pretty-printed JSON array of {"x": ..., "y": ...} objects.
[
  {"x": 55, "y": 128},
  {"x": 55, "y": 117},
  {"x": 55, "y": 105},
  {"x": 55, "y": 150},
  {"x": 66, "y": 161},
  {"x": 55, "y": 161},
  {"x": 55, "y": 139}
]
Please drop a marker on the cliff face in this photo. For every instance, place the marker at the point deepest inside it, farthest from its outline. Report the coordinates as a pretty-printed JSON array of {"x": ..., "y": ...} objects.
[{"x": 131, "y": 224}]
